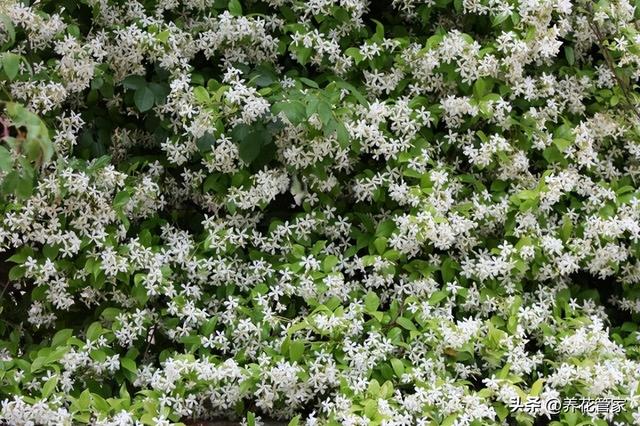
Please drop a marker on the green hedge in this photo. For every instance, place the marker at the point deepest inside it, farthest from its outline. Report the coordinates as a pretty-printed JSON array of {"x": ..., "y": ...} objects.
[{"x": 331, "y": 212}]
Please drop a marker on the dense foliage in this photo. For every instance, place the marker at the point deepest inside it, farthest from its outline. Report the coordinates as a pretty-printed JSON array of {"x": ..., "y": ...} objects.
[{"x": 327, "y": 212}]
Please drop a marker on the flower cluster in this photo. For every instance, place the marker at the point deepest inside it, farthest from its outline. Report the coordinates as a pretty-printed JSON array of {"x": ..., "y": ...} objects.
[{"x": 332, "y": 212}]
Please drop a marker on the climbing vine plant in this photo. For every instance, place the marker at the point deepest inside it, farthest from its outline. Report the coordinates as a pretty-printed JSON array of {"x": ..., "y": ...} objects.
[{"x": 327, "y": 212}]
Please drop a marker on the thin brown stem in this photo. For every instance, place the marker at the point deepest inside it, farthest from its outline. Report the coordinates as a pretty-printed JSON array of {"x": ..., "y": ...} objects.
[
  {"x": 149, "y": 339},
  {"x": 611, "y": 65}
]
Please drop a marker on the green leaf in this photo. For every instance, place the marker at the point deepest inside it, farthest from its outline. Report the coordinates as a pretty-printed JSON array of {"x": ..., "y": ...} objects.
[
  {"x": 22, "y": 255},
  {"x": 309, "y": 82},
  {"x": 552, "y": 154},
  {"x": 110, "y": 314},
  {"x": 9, "y": 28},
  {"x": 482, "y": 87},
  {"x": 398, "y": 367},
  {"x": 11, "y": 64},
  {"x": 139, "y": 292},
  {"x": 84, "y": 401},
  {"x": 567, "y": 228},
  {"x": 324, "y": 111},
  {"x": 379, "y": 34},
  {"x": 161, "y": 91},
  {"x": 121, "y": 199},
  {"x": 94, "y": 331},
  {"x": 6, "y": 162},
  {"x": 437, "y": 297},
  {"x": 329, "y": 263},
  {"x": 294, "y": 110},
  {"x": 264, "y": 76},
  {"x": 49, "y": 386},
  {"x": 163, "y": 36},
  {"x": 499, "y": 19},
  {"x": 16, "y": 272},
  {"x": 248, "y": 150},
  {"x": 302, "y": 53},
  {"x": 37, "y": 132},
  {"x": 251, "y": 419},
  {"x": 629, "y": 327},
  {"x": 371, "y": 408},
  {"x": 355, "y": 53},
  {"x": 240, "y": 132},
  {"x": 536, "y": 388},
  {"x": 50, "y": 251},
  {"x": 295, "y": 421},
  {"x": 615, "y": 100},
  {"x": 371, "y": 302},
  {"x": 385, "y": 228},
  {"x": 144, "y": 98},
  {"x": 343, "y": 135},
  {"x": 448, "y": 270},
  {"x": 61, "y": 337},
  {"x": 206, "y": 143},
  {"x": 250, "y": 140},
  {"x": 449, "y": 420},
  {"x": 201, "y": 94},
  {"x": 134, "y": 82},
  {"x": 569, "y": 55},
  {"x": 562, "y": 144},
  {"x": 380, "y": 244},
  {"x": 100, "y": 403},
  {"x": 31, "y": 148},
  {"x": 406, "y": 323},
  {"x": 296, "y": 350},
  {"x": 355, "y": 92},
  {"x": 235, "y": 8},
  {"x": 37, "y": 364},
  {"x": 128, "y": 364}
]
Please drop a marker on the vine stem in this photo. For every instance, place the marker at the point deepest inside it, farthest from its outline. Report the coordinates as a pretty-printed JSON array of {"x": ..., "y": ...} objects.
[
  {"x": 610, "y": 64},
  {"x": 149, "y": 339}
]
